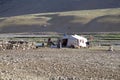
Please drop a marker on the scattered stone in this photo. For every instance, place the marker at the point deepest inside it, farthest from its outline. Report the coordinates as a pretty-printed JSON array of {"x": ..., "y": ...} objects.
[
  {"x": 110, "y": 48},
  {"x": 73, "y": 64}
]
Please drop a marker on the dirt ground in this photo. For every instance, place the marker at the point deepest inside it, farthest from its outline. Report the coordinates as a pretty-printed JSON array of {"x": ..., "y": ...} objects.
[{"x": 60, "y": 64}]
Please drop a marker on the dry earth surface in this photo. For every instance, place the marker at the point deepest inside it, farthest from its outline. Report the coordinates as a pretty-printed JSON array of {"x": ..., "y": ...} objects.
[{"x": 60, "y": 64}]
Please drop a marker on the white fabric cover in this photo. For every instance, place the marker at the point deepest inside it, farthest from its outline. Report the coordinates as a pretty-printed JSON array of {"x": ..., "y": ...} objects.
[{"x": 75, "y": 40}]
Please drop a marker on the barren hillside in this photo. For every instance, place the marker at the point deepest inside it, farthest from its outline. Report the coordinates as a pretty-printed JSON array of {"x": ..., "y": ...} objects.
[
  {"x": 19, "y": 7},
  {"x": 61, "y": 16},
  {"x": 101, "y": 20}
]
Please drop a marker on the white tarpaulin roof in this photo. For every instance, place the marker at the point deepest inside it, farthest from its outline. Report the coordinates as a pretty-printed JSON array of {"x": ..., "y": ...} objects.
[{"x": 75, "y": 40}]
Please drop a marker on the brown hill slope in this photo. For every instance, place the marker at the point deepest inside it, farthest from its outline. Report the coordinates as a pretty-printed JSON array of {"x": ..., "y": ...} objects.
[
  {"x": 20, "y": 7},
  {"x": 100, "y": 20}
]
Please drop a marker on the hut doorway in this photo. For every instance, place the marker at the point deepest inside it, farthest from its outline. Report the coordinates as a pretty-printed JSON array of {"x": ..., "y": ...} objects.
[{"x": 64, "y": 42}]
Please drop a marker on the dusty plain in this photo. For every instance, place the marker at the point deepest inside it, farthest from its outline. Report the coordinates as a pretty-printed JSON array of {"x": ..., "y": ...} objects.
[{"x": 95, "y": 63}]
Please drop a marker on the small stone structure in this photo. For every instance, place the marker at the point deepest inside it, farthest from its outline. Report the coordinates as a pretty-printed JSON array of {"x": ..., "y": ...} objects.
[{"x": 110, "y": 48}]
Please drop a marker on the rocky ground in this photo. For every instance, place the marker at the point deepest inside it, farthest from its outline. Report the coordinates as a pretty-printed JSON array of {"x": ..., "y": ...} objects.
[{"x": 60, "y": 64}]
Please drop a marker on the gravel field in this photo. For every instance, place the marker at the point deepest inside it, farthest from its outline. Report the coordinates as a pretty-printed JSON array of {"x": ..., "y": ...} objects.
[{"x": 60, "y": 64}]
